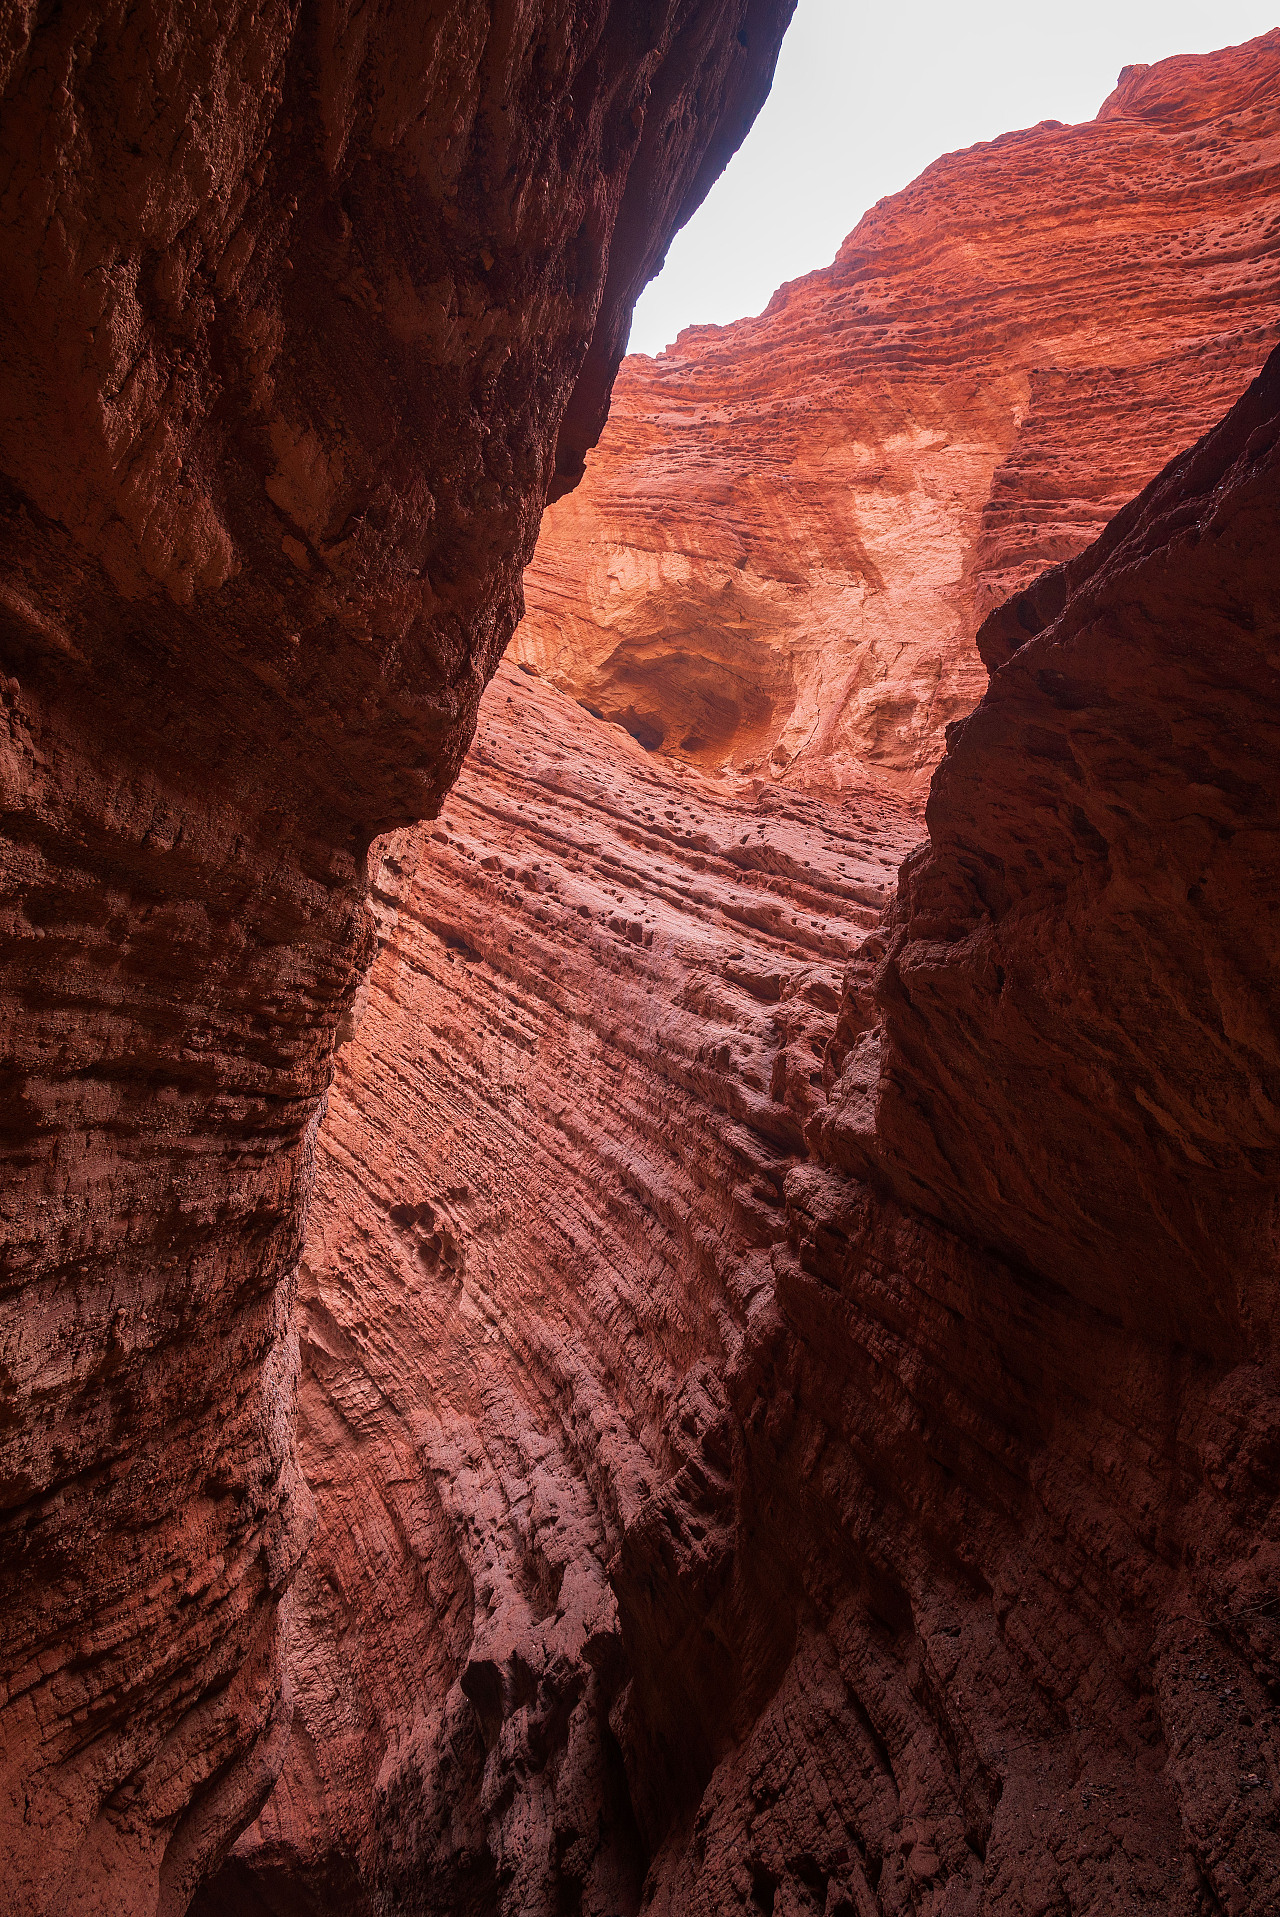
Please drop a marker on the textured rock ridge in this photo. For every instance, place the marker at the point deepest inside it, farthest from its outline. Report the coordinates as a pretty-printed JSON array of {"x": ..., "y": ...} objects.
[
  {"x": 548, "y": 1180},
  {"x": 791, "y": 1394},
  {"x": 794, "y": 525},
  {"x": 303, "y": 314},
  {"x": 772, "y": 1451}
]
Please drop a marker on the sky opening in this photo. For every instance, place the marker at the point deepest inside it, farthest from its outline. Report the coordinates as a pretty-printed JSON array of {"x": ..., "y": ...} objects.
[{"x": 866, "y": 95}]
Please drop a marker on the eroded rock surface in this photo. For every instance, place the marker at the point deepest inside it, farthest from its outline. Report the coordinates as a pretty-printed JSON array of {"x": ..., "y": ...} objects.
[
  {"x": 789, "y": 1397},
  {"x": 304, "y": 312},
  {"x": 694, "y": 1509},
  {"x": 549, "y": 1180},
  {"x": 824, "y": 1439},
  {"x": 794, "y": 525}
]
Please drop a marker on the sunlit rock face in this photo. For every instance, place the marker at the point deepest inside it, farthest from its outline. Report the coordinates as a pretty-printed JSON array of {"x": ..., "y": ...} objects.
[
  {"x": 549, "y": 1179},
  {"x": 790, "y": 1390},
  {"x": 794, "y": 525},
  {"x": 304, "y": 312},
  {"x": 789, "y": 1374}
]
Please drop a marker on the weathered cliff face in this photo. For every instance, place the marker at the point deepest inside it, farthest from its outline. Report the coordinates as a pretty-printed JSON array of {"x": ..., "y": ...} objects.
[
  {"x": 1092, "y": 928},
  {"x": 794, "y": 525},
  {"x": 713, "y": 1520},
  {"x": 1069, "y": 1054},
  {"x": 303, "y": 315},
  {"x": 791, "y": 1396},
  {"x": 548, "y": 1180}
]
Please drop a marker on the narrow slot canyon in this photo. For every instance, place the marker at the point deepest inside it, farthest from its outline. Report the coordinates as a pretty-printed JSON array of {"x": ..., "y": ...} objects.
[{"x": 641, "y": 1213}]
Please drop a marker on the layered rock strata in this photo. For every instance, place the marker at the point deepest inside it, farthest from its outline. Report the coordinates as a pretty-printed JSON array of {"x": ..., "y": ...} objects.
[
  {"x": 304, "y": 313},
  {"x": 794, "y": 525},
  {"x": 549, "y": 1177},
  {"x": 797, "y": 1449}
]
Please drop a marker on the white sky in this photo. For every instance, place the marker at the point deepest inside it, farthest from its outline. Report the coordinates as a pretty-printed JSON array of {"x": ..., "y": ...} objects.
[{"x": 867, "y": 94}]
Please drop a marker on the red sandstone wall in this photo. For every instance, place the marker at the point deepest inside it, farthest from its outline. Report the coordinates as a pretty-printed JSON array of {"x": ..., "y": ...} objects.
[
  {"x": 702, "y": 1528},
  {"x": 303, "y": 312},
  {"x": 549, "y": 1177},
  {"x": 808, "y": 1443},
  {"x": 794, "y": 525}
]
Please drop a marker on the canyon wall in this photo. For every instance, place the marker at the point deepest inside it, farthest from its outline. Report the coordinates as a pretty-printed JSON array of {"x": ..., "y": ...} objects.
[
  {"x": 549, "y": 1177},
  {"x": 304, "y": 315},
  {"x": 794, "y": 525},
  {"x": 791, "y": 1391},
  {"x": 789, "y": 1387}
]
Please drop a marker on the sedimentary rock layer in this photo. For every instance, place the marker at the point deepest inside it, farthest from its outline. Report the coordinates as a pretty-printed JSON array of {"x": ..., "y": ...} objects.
[
  {"x": 788, "y": 1450},
  {"x": 794, "y": 525},
  {"x": 548, "y": 1180},
  {"x": 304, "y": 312},
  {"x": 1069, "y": 1054}
]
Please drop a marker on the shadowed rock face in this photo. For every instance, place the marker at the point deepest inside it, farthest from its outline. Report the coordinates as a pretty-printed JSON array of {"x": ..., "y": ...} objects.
[
  {"x": 304, "y": 312},
  {"x": 794, "y": 525},
  {"x": 1093, "y": 927},
  {"x": 791, "y": 1394}
]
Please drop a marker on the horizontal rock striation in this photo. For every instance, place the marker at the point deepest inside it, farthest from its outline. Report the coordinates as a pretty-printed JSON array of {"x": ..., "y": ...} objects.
[
  {"x": 548, "y": 1180},
  {"x": 800, "y": 1449},
  {"x": 1068, "y": 1056},
  {"x": 304, "y": 313},
  {"x": 794, "y": 525}
]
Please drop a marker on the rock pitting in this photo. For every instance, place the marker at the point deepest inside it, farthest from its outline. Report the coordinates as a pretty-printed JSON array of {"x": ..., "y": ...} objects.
[
  {"x": 549, "y": 1177},
  {"x": 784, "y": 1347},
  {"x": 711, "y": 1510}
]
